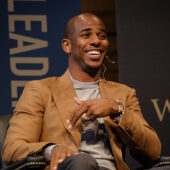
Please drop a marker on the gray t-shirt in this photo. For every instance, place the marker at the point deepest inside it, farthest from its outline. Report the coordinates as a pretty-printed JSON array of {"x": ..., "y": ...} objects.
[{"x": 94, "y": 139}]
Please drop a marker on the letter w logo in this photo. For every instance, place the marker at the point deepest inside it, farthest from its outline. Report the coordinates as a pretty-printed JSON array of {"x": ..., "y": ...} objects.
[{"x": 159, "y": 113}]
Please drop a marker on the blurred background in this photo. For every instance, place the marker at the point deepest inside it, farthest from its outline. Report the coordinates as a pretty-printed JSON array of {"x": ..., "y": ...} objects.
[{"x": 30, "y": 42}]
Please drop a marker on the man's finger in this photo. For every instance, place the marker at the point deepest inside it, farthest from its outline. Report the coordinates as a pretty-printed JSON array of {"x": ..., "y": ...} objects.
[
  {"x": 61, "y": 158},
  {"x": 76, "y": 115},
  {"x": 77, "y": 100},
  {"x": 53, "y": 162},
  {"x": 88, "y": 113},
  {"x": 72, "y": 115},
  {"x": 69, "y": 121},
  {"x": 56, "y": 154}
]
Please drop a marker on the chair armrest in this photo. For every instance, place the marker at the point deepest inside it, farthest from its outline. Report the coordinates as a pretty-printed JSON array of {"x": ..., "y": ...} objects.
[
  {"x": 31, "y": 162},
  {"x": 162, "y": 161}
]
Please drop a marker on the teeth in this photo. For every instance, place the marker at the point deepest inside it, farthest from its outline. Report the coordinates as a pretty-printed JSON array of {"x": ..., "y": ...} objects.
[{"x": 94, "y": 52}]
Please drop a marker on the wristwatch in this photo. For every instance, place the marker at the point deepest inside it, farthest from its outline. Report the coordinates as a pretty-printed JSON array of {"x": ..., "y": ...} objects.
[
  {"x": 120, "y": 112},
  {"x": 120, "y": 106}
]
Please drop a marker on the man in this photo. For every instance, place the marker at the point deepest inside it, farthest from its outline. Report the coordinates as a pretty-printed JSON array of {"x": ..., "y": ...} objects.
[{"x": 79, "y": 121}]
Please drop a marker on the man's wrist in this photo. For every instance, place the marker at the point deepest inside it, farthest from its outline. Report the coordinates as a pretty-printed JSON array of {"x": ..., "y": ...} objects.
[
  {"x": 116, "y": 117},
  {"x": 47, "y": 151}
]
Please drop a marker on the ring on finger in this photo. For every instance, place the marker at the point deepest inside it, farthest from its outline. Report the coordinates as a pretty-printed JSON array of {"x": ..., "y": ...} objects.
[{"x": 84, "y": 117}]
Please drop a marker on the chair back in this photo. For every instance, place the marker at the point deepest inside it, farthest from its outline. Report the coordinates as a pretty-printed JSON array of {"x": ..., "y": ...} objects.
[{"x": 4, "y": 122}]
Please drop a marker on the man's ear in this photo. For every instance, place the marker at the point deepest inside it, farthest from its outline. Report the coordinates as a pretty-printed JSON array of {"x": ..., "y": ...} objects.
[{"x": 66, "y": 45}]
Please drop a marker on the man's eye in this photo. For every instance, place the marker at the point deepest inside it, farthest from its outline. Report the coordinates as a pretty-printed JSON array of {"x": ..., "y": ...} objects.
[
  {"x": 85, "y": 35},
  {"x": 103, "y": 36}
]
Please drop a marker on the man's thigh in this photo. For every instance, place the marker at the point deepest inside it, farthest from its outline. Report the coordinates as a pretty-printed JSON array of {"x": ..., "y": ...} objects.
[{"x": 79, "y": 161}]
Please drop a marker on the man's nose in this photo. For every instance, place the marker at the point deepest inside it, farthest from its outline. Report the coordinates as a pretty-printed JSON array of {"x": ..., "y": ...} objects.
[{"x": 95, "y": 41}]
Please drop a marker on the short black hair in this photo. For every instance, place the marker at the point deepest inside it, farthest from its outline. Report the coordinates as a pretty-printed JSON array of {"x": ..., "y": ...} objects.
[{"x": 69, "y": 25}]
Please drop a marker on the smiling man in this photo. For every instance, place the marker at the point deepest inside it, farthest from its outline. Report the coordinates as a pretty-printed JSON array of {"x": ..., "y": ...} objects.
[
  {"x": 86, "y": 44},
  {"x": 79, "y": 121}
]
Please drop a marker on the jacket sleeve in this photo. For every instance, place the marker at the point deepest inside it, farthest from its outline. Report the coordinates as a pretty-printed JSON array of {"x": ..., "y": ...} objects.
[
  {"x": 25, "y": 126},
  {"x": 136, "y": 133}
]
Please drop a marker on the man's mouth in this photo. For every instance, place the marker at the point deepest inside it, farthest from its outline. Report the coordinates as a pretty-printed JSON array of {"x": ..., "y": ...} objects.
[{"x": 94, "y": 54}]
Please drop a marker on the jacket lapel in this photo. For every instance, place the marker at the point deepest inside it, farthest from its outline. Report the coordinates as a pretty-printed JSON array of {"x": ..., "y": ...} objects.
[
  {"x": 113, "y": 90},
  {"x": 63, "y": 93}
]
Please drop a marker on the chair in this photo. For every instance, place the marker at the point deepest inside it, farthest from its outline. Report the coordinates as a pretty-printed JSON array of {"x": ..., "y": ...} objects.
[
  {"x": 31, "y": 162},
  {"x": 39, "y": 162},
  {"x": 161, "y": 162},
  {"x": 4, "y": 119}
]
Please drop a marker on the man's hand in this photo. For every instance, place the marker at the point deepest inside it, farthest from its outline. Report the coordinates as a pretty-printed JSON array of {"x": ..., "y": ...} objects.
[
  {"x": 93, "y": 109},
  {"x": 58, "y": 154}
]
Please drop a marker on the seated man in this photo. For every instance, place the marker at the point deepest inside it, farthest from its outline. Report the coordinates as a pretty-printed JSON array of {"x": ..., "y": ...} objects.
[{"x": 79, "y": 121}]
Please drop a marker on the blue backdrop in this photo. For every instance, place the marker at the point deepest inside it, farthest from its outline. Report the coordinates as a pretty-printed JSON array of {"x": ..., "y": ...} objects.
[{"x": 30, "y": 41}]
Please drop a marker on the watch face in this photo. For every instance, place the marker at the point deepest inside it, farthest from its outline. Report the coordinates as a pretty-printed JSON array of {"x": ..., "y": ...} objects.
[{"x": 121, "y": 108}]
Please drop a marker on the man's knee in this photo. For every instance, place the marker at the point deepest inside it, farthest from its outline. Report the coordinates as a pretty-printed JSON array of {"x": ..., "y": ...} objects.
[{"x": 79, "y": 161}]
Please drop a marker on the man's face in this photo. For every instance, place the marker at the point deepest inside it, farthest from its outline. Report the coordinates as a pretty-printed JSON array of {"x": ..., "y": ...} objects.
[{"x": 88, "y": 43}]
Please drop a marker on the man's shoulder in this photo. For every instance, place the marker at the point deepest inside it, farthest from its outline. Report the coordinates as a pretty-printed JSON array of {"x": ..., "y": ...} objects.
[
  {"x": 116, "y": 84},
  {"x": 120, "y": 89},
  {"x": 44, "y": 80}
]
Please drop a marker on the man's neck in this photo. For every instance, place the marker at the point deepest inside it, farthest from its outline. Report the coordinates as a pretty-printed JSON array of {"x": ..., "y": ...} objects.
[{"x": 84, "y": 76}]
